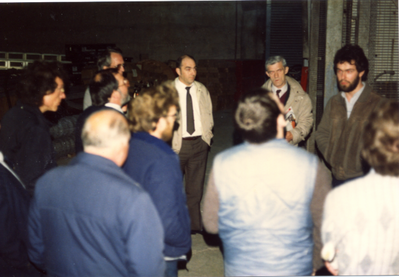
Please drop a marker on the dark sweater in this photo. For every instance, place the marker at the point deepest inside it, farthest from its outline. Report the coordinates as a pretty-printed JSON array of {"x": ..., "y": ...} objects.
[
  {"x": 153, "y": 164},
  {"x": 26, "y": 142}
]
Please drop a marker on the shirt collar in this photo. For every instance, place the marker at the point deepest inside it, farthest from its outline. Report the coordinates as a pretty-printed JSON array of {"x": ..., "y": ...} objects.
[
  {"x": 283, "y": 89},
  {"x": 114, "y": 106},
  {"x": 356, "y": 95},
  {"x": 181, "y": 85}
]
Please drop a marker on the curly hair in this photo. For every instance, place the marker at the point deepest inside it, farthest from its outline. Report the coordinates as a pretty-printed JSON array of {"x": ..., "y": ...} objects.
[
  {"x": 38, "y": 80},
  {"x": 146, "y": 109},
  {"x": 381, "y": 139},
  {"x": 256, "y": 116},
  {"x": 353, "y": 54}
]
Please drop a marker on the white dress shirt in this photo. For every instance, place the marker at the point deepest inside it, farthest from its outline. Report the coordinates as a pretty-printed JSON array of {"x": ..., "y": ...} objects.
[{"x": 181, "y": 89}]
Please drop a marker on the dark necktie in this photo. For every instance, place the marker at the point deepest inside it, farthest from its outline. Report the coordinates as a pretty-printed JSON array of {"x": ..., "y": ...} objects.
[
  {"x": 278, "y": 93},
  {"x": 190, "y": 112}
]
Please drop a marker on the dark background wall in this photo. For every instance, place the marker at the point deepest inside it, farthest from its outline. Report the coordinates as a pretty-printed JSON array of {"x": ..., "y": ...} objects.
[{"x": 162, "y": 30}]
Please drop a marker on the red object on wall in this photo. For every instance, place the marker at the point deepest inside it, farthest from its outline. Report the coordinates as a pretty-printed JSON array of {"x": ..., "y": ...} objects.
[{"x": 304, "y": 78}]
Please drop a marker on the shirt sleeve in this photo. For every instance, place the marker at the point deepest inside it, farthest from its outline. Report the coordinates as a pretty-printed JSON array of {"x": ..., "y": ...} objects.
[
  {"x": 322, "y": 188},
  {"x": 211, "y": 206},
  {"x": 166, "y": 188},
  {"x": 323, "y": 131}
]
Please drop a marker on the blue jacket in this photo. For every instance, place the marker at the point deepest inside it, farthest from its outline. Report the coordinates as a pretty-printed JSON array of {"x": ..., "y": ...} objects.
[
  {"x": 152, "y": 163},
  {"x": 91, "y": 219}
]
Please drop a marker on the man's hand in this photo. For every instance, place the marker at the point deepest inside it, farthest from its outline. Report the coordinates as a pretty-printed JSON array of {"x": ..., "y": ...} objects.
[
  {"x": 289, "y": 136},
  {"x": 330, "y": 268}
]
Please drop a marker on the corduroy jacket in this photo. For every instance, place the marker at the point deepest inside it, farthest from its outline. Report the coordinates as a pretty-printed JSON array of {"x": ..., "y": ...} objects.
[{"x": 339, "y": 138}]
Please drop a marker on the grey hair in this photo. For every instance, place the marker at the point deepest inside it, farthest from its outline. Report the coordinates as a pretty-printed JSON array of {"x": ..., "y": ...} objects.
[
  {"x": 105, "y": 58},
  {"x": 113, "y": 131},
  {"x": 275, "y": 59},
  {"x": 256, "y": 116}
]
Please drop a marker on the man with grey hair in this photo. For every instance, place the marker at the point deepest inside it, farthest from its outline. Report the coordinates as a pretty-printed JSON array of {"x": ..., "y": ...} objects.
[
  {"x": 89, "y": 218},
  {"x": 297, "y": 104},
  {"x": 111, "y": 58}
]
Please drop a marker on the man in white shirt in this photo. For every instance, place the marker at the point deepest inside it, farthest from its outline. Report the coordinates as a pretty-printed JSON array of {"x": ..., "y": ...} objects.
[{"x": 192, "y": 139}]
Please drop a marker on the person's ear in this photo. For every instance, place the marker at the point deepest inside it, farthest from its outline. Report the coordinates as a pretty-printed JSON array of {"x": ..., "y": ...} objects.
[
  {"x": 161, "y": 124},
  {"x": 178, "y": 71},
  {"x": 286, "y": 69},
  {"x": 267, "y": 74}
]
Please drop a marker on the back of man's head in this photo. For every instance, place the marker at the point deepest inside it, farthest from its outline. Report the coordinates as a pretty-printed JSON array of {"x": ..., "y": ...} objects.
[
  {"x": 102, "y": 86},
  {"x": 37, "y": 80},
  {"x": 275, "y": 59},
  {"x": 106, "y": 133},
  {"x": 381, "y": 139},
  {"x": 256, "y": 116},
  {"x": 352, "y": 54},
  {"x": 146, "y": 109}
]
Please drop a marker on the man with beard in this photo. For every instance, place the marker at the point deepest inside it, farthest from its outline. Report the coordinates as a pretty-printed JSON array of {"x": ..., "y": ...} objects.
[
  {"x": 152, "y": 163},
  {"x": 340, "y": 131}
]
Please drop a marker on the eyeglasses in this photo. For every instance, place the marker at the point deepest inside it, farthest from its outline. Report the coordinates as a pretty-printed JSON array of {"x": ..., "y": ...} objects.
[{"x": 175, "y": 116}]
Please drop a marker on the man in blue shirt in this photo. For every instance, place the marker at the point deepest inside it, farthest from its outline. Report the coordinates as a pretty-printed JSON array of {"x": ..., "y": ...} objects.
[
  {"x": 153, "y": 163},
  {"x": 89, "y": 218}
]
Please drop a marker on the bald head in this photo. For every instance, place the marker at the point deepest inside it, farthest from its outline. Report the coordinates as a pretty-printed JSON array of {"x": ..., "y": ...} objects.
[{"x": 106, "y": 133}]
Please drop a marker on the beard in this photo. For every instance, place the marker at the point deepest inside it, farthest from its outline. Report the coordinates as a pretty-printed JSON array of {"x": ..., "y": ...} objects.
[
  {"x": 167, "y": 133},
  {"x": 349, "y": 87}
]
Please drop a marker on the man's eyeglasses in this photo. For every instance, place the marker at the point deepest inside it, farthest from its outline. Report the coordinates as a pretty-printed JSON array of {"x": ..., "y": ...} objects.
[{"x": 175, "y": 116}]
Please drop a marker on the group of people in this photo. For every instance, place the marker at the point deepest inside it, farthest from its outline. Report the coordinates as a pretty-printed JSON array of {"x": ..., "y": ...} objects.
[{"x": 129, "y": 201}]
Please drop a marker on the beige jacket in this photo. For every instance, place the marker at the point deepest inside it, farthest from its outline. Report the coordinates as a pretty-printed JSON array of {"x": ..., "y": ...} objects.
[
  {"x": 300, "y": 102},
  {"x": 205, "y": 106}
]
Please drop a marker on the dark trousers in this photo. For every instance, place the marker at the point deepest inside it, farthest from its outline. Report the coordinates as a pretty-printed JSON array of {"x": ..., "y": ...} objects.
[{"x": 193, "y": 156}]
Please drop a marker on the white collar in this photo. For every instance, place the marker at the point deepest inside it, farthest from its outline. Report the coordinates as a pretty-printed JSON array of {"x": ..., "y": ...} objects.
[{"x": 114, "y": 106}]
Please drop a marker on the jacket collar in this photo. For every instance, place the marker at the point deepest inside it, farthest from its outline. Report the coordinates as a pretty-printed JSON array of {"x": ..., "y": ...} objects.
[
  {"x": 103, "y": 164},
  {"x": 144, "y": 136}
]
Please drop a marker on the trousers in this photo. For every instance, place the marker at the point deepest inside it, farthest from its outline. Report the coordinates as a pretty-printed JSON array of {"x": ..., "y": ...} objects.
[{"x": 193, "y": 157}]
